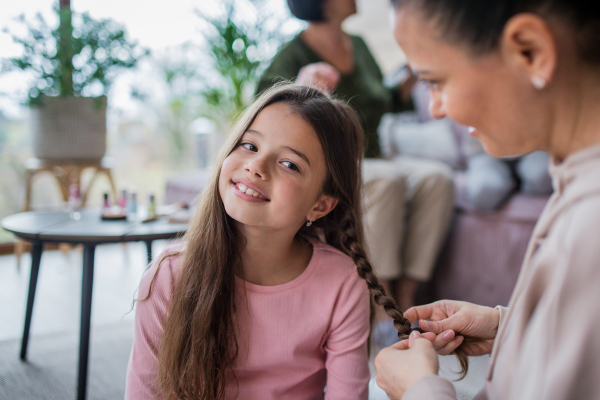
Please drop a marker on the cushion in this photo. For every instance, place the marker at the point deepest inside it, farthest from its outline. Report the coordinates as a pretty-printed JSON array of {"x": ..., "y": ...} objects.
[{"x": 402, "y": 135}]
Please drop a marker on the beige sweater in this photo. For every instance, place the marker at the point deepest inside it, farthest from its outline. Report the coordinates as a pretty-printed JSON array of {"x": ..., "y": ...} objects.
[{"x": 548, "y": 343}]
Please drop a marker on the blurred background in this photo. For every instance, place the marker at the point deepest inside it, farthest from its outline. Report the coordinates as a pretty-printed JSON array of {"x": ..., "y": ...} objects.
[
  {"x": 170, "y": 77},
  {"x": 182, "y": 71}
]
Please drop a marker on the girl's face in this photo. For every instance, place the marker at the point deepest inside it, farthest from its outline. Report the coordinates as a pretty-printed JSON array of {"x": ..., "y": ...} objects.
[
  {"x": 273, "y": 177},
  {"x": 490, "y": 93}
]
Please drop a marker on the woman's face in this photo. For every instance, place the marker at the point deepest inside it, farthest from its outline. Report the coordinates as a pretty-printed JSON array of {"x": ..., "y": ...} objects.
[
  {"x": 338, "y": 9},
  {"x": 489, "y": 93}
]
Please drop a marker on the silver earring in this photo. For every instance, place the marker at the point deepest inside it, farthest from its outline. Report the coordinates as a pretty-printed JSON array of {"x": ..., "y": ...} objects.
[
  {"x": 538, "y": 83},
  {"x": 309, "y": 222}
]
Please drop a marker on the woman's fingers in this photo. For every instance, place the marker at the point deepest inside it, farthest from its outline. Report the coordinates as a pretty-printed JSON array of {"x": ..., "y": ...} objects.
[
  {"x": 400, "y": 345},
  {"x": 450, "y": 346},
  {"x": 404, "y": 344},
  {"x": 443, "y": 339},
  {"x": 438, "y": 326},
  {"x": 416, "y": 313},
  {"x": 446, "y": 342},
  {"x": 402, "y": 364},
  {"x": 429, "y": 336}
]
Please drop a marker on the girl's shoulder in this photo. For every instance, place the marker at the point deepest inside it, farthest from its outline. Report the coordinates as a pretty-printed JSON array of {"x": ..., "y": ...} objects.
[
  {"x": 333, "y": 259},
  {"x": 337, "y": 275},
  {"x": 162, "y": 273}
]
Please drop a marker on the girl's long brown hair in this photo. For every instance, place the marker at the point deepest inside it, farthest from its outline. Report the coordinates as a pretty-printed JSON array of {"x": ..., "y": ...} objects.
[{"x": 199, "y": 344}]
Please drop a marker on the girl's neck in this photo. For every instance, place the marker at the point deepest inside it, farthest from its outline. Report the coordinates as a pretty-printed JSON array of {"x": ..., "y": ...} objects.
[{"x": 273, "y": 259}]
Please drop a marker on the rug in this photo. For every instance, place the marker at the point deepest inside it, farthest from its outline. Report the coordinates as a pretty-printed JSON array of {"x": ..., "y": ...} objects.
[{"x": 50, "y": 373}]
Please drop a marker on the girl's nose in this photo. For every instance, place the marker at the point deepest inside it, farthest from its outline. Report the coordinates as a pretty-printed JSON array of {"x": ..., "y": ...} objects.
[
  {"x": 437, "y": 105},
  {"x": 257, "y": 167}
]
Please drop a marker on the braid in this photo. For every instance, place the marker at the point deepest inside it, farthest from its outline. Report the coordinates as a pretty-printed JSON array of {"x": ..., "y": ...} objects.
[{"x": 348, "y": 239}]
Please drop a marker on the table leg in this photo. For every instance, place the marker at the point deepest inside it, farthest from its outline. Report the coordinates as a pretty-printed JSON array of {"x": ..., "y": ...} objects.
[
  {"x": 149, "y": 249},
  {"x": 86, "y": 311},
  {"x": 36, "y": 255}
]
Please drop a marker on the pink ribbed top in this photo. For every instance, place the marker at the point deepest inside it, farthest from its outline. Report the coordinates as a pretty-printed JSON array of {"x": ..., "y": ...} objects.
[{"x": 305, "y": 339}]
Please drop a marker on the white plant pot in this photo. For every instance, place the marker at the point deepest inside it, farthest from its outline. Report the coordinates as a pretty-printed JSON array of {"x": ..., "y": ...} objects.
[{"x": 69, "y": 128}]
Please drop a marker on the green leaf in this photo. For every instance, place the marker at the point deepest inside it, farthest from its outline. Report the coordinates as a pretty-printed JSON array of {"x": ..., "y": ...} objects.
[{"x": 49, "y": 52}]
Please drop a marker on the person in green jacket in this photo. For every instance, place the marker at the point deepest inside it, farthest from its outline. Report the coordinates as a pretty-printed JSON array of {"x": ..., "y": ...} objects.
[{"x": 408, "y": 202}]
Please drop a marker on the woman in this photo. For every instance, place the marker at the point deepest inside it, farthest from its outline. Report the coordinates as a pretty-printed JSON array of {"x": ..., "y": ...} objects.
[
  {"x": 408, "y": 201},
  {"x": 524, "y": 74}
]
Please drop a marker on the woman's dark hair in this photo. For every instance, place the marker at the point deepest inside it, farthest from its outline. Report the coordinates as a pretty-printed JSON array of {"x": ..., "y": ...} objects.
[
  {"x": 199, "y": 344},
  {"x": 479, "y": 24},
  {"x": 307, "y": 10}
]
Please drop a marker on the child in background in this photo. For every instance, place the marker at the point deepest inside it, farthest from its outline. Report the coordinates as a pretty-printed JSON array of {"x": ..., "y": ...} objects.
[{"x": 266, "y": 297}]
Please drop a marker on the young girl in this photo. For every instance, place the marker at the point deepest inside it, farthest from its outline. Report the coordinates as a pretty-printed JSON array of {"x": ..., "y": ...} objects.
[{"x": 264, "y": 300}]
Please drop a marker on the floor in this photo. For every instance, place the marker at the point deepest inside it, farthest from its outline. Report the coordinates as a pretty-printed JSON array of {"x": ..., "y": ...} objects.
[{"x": 118, "y": 270}]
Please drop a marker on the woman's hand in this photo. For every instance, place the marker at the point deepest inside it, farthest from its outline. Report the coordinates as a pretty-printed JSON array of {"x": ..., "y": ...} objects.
[
  {"x": 321, "y": 75},
  {"x": 401, "y": 364},
  {"x": 452, "y": 319}
]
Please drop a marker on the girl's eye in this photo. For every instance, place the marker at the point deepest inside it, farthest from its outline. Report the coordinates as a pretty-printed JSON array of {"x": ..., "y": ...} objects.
[
  {"x": 291, "y": 165},
  {"x": 250, "y": 146}
]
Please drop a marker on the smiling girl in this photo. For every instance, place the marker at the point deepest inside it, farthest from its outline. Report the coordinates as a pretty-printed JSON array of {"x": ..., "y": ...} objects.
[{"x": 268, "y": 296}]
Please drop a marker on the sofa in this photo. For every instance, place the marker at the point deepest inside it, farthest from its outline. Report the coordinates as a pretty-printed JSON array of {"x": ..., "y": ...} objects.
[{"x": 482, "y": 255}]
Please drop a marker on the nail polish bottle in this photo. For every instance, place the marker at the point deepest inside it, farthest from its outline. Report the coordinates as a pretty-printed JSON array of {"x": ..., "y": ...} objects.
[
  {"x": 151, "y": 206},
  {"x": 74, "y": 198},
  {"x": 132, "y": 206},
  {"x": 123, "y": 201},
  {"x": 105, "y": 205},
  {"x": 74, "y": 202}
]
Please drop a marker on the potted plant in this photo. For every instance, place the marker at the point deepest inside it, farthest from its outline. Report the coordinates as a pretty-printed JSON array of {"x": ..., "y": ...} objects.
[
  {"x": 240, "y": 41},
  {"x": 72, "y": 67}
]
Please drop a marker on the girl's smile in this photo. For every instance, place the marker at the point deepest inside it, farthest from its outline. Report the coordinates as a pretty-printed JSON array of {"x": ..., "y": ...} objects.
[{"x": 248, "y": 191}]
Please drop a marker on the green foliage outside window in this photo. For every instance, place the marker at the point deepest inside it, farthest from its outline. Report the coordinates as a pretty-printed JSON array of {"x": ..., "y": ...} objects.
[
  {"x": 241, "y": 40},
  {"x": 78, "y": 57}
]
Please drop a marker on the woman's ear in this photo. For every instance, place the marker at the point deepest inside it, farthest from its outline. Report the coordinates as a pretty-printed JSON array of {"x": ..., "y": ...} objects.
[
  {"x": 322, "y": 207},
  {"x": 529, "y": 44}
]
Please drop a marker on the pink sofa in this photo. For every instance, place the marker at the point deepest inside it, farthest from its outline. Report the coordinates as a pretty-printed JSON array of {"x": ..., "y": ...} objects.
[{"x": 483, "y": 253}]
